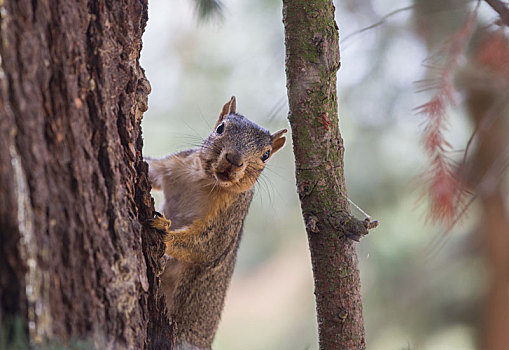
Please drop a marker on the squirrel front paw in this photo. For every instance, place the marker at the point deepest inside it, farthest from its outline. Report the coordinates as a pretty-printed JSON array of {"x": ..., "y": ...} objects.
[{"x": 160, "y": 223}]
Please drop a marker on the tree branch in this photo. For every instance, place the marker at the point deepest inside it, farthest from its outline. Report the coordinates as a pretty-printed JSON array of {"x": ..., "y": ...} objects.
[
  {"x": 501, "y": 9},
  {"x": 312, "y": 60}
]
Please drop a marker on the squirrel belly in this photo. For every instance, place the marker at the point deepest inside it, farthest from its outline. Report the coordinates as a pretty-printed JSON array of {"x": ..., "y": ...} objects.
[
  {"x": 198, "y": 297},
  {"x": 207, "y": 193}
]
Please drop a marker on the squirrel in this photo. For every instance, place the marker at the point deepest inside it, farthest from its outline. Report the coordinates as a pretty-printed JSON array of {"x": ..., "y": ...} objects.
[{"x": 207, "y": 193}]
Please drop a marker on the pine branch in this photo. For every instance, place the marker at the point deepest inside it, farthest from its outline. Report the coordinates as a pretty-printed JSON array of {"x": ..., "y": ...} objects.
[{"x": 445, "y": 190}]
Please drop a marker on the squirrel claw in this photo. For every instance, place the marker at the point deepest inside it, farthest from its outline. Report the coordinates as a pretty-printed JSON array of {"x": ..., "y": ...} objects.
[{"x": 160, "y": 223}]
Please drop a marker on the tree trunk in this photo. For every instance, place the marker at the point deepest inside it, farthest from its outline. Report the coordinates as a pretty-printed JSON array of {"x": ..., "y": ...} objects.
[
  {"x": 312, "y": 60},
  {"x": 75, "y": 260},
  {"x": 486, "y": 84}
]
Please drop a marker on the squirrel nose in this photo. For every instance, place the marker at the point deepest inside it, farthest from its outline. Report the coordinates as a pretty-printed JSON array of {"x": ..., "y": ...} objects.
[{"x": 234, "y": 159}]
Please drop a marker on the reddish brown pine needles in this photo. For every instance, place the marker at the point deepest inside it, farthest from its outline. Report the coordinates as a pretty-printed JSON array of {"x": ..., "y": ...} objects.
[{"x": 445, "y": 190}]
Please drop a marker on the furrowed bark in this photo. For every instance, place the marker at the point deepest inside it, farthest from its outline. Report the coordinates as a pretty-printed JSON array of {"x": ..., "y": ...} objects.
[
  {"x": 75, "y": 260},
  {"x": 312, "y": 60}
]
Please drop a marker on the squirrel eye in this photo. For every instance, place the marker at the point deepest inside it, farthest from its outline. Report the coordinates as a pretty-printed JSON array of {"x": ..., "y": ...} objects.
[
  {"x": 220, "y": 128},
  {"x": 265, "y": 156}
]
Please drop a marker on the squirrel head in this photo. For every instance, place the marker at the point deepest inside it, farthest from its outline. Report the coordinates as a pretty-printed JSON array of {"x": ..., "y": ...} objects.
[{"x": 237, "y": 150}]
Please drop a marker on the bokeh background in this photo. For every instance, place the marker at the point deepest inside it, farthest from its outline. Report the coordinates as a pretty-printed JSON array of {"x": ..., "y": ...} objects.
[{"x": 421, "y": 287}]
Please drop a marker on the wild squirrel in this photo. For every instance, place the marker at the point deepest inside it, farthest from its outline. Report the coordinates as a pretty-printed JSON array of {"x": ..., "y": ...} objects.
[{"x": 207, "y": 194}]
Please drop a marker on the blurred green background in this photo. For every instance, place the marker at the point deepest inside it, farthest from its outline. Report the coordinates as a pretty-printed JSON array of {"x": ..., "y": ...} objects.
[{"x": 420, "y": 288}]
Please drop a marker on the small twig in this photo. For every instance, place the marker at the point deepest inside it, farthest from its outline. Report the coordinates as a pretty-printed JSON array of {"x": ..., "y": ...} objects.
[
  {"x": 380, "y": 22},
  {"x": 465, "y": 155},
  {"x": 501, "y": 9},
  {"x": 359, "y": 209},
  {"x": 438, "y": 241},
  {"x": 355, "y": 229},
  {"x": 276, "y": 110}
]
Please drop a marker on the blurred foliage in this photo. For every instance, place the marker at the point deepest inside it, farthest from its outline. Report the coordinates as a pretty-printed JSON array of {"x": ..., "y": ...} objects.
[
  {"x": 209, "y": 9},
  {"x": 421, "y": 288}
]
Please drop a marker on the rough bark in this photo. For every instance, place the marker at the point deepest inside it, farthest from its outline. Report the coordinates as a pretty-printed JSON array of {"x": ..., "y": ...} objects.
[
  {"x": 312, "y": 60},
  {"x": 75, "y": 260}
]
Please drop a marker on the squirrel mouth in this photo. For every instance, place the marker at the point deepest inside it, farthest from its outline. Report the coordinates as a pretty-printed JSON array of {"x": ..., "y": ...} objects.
[{"x": 223, "y": 176}]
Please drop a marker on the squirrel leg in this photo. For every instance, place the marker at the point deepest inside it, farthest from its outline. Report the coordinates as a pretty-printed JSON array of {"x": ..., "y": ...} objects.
[
  {"x": 183, "y": 245},
  {"x": 186, "y": 255}
]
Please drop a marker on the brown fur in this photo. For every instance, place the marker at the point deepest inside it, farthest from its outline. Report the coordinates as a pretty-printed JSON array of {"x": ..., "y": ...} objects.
[{"x": 207, "y": 195}]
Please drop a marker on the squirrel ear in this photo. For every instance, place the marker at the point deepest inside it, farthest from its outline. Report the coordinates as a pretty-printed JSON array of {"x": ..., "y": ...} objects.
[
  {"x": 278, "y": 140},
  {"x": 229, "y": 108}
]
